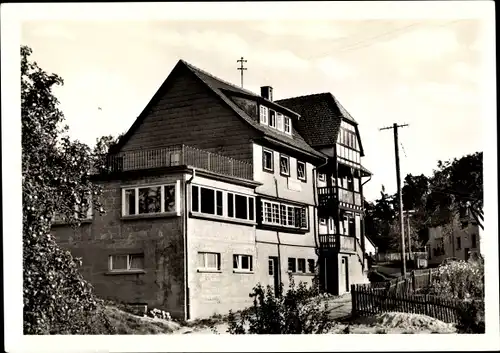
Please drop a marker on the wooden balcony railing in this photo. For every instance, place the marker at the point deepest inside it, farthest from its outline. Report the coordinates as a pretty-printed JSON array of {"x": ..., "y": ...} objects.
[
  {"x": 338, "y": 242},
  {"x": 328, "y": 194},
  {"x": 178, "y": 155}
]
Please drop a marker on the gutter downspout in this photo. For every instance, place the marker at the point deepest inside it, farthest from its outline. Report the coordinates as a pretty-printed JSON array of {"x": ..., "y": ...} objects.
[
  {"x": 278, "y": 237},
  {"x": 186, "y": 272},
  {"x": 370, "y": 178}
]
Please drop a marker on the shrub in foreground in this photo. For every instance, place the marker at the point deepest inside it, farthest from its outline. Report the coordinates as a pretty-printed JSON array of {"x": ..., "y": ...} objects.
[
  {"x": 299, "y": 311},
  {"x": 459, "y": 280}
]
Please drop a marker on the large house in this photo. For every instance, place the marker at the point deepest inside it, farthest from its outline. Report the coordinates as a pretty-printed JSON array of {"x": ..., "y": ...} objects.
[
  {"x": 462, "y": 243},
  {"x": 214, "y": 189}
]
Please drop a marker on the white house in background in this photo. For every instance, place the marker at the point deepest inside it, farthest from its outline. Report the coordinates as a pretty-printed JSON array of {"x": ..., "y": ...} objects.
[{"x": 462, "y": 244}]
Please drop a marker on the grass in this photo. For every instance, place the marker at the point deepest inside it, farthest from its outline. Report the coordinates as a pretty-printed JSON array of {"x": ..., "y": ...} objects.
[{"x": 129, "y": 324}]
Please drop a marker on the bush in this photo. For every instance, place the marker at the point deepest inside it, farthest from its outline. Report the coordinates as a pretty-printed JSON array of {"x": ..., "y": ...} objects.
[
  {"x": 471, "y": 317},
  {"x": 300, "y": 311},
  {"x": 459, "y": 280}
]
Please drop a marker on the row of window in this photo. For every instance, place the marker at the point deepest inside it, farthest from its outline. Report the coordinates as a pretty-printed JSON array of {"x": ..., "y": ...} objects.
[
  {"x": 348, "y": 138},
  {"x": 222, "y": 203},
  {"x": 281, "y": 214},
  {"x": 275, "y": 120},
  {"x": 347, "y": 182},
  {"x": 268, "y": 164},
  {"x": 299, "y": 265},
  {"x": 149, "y": 199},
  {"x": 348, "y": 154},
  {"x": 211, "y": 261}
]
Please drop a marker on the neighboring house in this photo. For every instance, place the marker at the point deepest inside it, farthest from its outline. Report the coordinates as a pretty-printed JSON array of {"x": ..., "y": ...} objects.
[
  {"x": 214, "y": 189},
  {"x": 330, "y": 129},
  {"x": 462, "y": 244}
]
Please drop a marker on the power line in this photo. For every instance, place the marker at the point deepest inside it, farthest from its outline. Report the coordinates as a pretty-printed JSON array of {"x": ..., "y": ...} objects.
[
  {"x": 403, "y": 148},
  {"x": 373, "y": 40}
]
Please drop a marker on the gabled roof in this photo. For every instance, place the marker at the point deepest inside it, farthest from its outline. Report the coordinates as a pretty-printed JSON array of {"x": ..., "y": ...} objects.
[
  {"x": 321, "y": 115},
  {"x": 222, "y": 90}
]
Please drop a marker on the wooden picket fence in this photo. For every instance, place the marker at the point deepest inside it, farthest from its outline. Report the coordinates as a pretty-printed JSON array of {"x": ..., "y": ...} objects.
[
  {"x": 403, "y": 294},
  {"x": 367, "y": 300}
]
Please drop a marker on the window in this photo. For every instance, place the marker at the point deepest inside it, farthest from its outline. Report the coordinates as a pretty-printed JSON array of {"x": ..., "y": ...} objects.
[
  {"x": 285, "y": 165},
  {"x": 209, "y": 261},
  {"x": 301, "y": 170},
  {"x": 321, "y": 177},
  {"x": 474, "y": 240},
  {"x": 459, "y": 243},
  {"x": 272, "y": 118},
  {"x": 263, "y": 114},
  {"x": 322, "y": 221},
  {"x": 242, "y": 263},
  {"x": 291, "y": 216},
  {"x": 301, "y": 265},
  {"x": 287, "y": 125},
  {"x": 271, "y": 267},
  {"x": 230, "y": 204},
  {"x": 292, "y": 266},
  {"x": 310, "y": 266},
  {"x": 241, "y": 206},
  {"x": 283, "y": 215},
  {"x": 207, "y": 198},
  {"x": 149, "y": 200},
  {"x": 279, "y": 121},
  {"x": 274, "y": 213},
  {"x": 331, "y": 226},
  {"x": 267, "y": 160},
  {"x": 356, "y": 184},
  {"x": 128, "y": 262}
]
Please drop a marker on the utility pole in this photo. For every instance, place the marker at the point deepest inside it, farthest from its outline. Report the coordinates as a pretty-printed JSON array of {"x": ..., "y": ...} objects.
[
  {"x": 241, "y": 68},
  {"x": 409, "y": 234},
  {"x": 395, "y": 127}
]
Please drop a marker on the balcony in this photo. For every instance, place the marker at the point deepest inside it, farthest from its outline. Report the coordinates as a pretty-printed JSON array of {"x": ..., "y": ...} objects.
[
  {"x": 337, "y": 242},
  {"x": 177, "y": 156}
]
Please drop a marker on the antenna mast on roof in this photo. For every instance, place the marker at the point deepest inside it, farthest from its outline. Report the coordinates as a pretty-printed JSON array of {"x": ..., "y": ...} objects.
[{"x": 241, "y": 68}]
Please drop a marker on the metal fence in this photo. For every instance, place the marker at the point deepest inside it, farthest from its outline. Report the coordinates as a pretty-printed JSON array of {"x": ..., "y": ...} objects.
[{"x": 179, "y": 155}]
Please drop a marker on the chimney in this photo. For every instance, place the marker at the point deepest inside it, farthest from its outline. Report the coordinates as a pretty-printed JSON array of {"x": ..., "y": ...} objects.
[{"x": 267, "y": 92}]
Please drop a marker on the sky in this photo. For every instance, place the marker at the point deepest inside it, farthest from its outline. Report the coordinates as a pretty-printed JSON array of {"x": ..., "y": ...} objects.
[{"x": 420, "y": 72}]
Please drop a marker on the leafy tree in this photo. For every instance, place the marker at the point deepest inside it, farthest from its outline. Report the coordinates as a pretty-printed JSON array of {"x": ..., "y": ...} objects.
[{"x": 56, "y": 181}]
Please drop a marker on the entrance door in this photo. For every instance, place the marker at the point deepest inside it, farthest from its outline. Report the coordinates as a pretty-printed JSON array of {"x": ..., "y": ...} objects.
[
  {"x": 274, "y": 274},
  {"x": 344, "y": 275}
]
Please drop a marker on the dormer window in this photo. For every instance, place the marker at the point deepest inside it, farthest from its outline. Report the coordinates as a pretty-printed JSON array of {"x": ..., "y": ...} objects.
[
  {"x": 275, "y": 120},
  {"x": 263, "y": 114},
  {"x": 287, "y": 125}
]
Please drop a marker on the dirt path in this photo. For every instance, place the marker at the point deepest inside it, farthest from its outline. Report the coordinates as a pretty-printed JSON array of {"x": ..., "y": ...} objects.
[{"x": 340, "y": 306}]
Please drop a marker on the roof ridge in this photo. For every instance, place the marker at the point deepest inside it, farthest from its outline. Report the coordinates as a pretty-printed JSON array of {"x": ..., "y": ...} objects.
[
  {"x": 306, "y": 96},
  {"x": 192, "y": 67}
]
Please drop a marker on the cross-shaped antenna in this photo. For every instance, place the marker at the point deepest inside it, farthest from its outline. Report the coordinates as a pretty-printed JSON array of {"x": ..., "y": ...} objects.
[{"x": 241, "y": 68}]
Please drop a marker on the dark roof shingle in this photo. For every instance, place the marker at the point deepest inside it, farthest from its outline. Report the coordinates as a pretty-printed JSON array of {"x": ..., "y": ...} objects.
[{"x": 321, "y": 115}]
